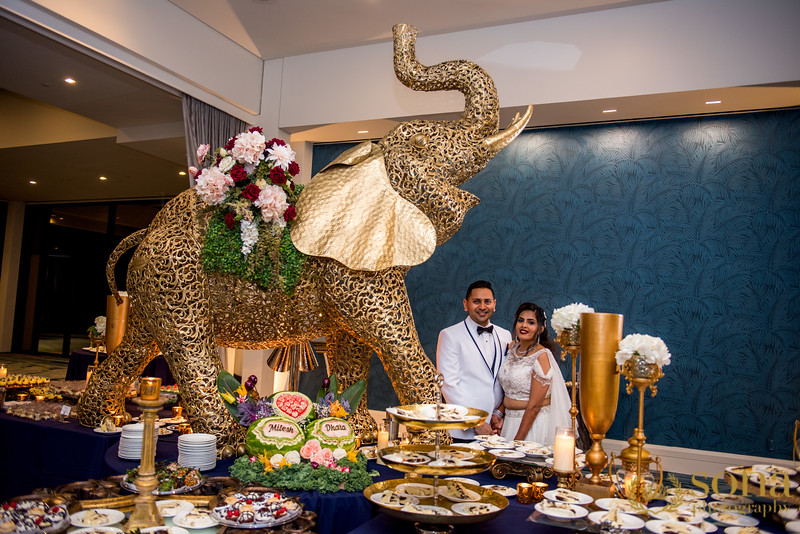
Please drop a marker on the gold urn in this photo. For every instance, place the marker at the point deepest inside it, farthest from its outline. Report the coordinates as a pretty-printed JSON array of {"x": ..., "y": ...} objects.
[{"x": 600, "y": 337}]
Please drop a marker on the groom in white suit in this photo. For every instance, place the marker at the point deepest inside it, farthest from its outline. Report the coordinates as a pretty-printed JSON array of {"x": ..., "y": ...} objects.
[{"x": 469, "y": 355}]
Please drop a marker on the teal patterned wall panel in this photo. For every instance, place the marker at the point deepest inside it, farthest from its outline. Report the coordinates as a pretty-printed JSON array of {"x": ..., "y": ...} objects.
[{"x": 690, "y": 228}]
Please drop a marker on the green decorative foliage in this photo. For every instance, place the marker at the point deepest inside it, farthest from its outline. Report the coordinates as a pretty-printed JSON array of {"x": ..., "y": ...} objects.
[{"x": 305, "y": 477}]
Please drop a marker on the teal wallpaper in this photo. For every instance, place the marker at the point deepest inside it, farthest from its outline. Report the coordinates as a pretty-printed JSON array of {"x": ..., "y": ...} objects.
[{"x": 689, "y": 227}]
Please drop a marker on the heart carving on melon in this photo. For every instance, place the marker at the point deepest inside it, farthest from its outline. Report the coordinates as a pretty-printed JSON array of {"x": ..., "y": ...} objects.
[{"x": 292, "y": 404}]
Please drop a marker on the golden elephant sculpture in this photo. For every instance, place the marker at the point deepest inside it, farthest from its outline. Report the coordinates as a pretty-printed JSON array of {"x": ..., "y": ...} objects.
[{"x": 363, "y": 221}]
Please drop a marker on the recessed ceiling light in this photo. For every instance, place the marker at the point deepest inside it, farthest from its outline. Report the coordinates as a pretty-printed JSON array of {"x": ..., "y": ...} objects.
[
  {"x": 363, "y": 131},
  {"x": 713, "y": 101},
  {"x": 32, "y": 182},
  {"x": 103, "y": 178},
  {"x": 609, "y": 111},
  {"x": 182, "y": 173},
  {"x": 70, "y": 80}
]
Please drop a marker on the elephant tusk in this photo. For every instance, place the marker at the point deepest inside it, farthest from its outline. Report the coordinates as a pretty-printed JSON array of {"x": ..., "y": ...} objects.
[{"x": 497, "y": 142}]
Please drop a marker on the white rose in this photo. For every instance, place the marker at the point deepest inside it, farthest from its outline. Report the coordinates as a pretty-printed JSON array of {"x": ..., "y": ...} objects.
[
  {"x": 293, "y": 457},
  {"x": 339, "y": 453},
  {"x": 226, "y": 163},
  {"x": 276, "y": 459}
]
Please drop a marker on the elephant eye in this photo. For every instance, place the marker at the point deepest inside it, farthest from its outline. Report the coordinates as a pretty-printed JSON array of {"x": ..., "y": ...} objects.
[{"x": 419, "y": 141}]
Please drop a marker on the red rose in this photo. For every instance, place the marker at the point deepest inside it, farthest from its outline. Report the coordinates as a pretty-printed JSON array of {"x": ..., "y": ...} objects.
[
  {"x": 277, "y": 175},
  {"x": 230, "y": 143},
  {"x": 238, "y": 173},
  {"x": 256, "y": 129},
  {"x": 230, "y": 220},
  {"x": 251, "y": 192},
  {"x": 276, "y": 141},
  {"x": 290, "y": 213},
  {"x": 294, "y": 168}
]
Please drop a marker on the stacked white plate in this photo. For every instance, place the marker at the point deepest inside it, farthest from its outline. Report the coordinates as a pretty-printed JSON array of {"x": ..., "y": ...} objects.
[
  {"x": 198, "y": 451},
  {"x": 130, "y": 441}
]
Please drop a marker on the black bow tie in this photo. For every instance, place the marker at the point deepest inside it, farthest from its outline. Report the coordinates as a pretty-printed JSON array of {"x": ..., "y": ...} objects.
[{"x": 482, "y": 329}]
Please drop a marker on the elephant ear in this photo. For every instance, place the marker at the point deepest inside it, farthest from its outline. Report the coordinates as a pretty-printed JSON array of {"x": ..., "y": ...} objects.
[{"x": 350, "y": 213}]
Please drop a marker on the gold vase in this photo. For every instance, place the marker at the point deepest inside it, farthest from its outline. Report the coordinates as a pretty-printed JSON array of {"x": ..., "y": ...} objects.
[
  {"x": 600, "y": 337},
  {"x": 116, "y": 320}
]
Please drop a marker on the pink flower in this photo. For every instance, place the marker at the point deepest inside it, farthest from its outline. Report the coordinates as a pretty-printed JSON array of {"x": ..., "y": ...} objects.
[
  {"x": 212, "y": 185},
  {"x": 249, "y": 147},
  {"x": 310, "y": 448},
  {"x": 273, "y": 204},
  {"x": 193, "y": 171},
  {"x": 324, "y": 457},
  {"x": 281, "y": 155},
  {"x": 202, "y": 151}
]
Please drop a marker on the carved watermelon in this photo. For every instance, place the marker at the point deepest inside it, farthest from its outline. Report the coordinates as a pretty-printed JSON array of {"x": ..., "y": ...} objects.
[
  {"x": 332, "y": 433},
  {"x": 274, "y": 435},
  {"x": 292, "y": 404}
]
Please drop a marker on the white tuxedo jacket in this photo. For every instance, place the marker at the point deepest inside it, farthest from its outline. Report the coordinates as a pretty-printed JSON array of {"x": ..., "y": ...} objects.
[{"x": 469, "y": 364}]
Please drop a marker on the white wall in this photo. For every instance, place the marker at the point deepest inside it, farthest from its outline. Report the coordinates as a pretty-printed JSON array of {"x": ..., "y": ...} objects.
[{"x": 677, "y": 45}]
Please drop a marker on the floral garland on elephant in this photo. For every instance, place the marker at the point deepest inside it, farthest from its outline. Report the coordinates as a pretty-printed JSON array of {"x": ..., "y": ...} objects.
[{"x": 248, "y": 189}]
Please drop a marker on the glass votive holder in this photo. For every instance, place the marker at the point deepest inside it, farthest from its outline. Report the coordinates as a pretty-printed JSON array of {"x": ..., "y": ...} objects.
[
  {"x": 149, "y": 388},
  {"x": 3, "y": 371},
  {"x": 22, "y": 396},
  {"x": 177, "y": 411},
  {"x": 539, "y": 488},
  {"x": 38, "y": 398},
  {"x": 525, "y": 493},
  {"x": 118, "y": 420},
  {"x": 184, "y": 428}
]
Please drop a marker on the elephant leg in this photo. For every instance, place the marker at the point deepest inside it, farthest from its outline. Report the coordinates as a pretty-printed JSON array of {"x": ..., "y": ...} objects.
[
  {"x": 108, "y": 387},
  {"x": 173, "y": 298},
  {"x": 349, "y": 360}
]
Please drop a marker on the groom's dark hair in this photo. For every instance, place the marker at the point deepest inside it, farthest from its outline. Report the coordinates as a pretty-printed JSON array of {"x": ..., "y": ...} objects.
[{"x": 479, "y": 284}]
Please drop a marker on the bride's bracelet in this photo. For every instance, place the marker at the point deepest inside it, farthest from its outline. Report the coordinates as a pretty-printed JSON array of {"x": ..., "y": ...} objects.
[{"x": 498, "y": 413}]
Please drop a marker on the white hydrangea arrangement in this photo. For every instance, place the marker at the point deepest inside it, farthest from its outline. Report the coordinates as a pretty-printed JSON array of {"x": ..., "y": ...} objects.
[
  {"x": 568, "y": 317},
  {"x": 652, "y": 349},
  {"x": 98, "y": 329}
]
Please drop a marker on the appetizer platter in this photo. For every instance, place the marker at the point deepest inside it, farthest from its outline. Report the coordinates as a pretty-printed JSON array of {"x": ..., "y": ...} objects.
[
  {"x": 255, "y": 509},
  {"x": 32, "y": 515},
  {"x": 173, "y": 479},
  {"x": 418, "y": 459},
  {"x": 450, "y": 416},
  {"x": 456, "y": 502}
]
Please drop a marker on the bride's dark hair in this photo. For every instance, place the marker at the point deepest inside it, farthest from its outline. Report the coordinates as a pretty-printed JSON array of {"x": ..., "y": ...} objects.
[{"x": 541, "y": 318}]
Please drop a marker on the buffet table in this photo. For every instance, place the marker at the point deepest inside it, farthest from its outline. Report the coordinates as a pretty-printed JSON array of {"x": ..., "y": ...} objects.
[
  {"x": 46, "y": 454},
  {"x": 81, "y": 359}
]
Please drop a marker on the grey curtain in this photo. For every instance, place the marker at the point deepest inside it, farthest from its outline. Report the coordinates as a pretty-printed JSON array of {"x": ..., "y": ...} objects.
[{"x": 206, "y": 124}]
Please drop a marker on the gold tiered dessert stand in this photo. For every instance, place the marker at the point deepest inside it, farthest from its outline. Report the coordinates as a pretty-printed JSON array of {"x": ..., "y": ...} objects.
[{"x": 480, "y": 461}]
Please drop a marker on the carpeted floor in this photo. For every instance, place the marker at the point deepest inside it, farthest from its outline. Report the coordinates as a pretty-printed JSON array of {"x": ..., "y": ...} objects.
[{"x": 52, "y": 367}]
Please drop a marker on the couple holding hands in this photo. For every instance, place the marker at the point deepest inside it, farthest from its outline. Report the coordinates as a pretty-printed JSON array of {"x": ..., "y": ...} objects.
[{"x": 511, "y": 375}]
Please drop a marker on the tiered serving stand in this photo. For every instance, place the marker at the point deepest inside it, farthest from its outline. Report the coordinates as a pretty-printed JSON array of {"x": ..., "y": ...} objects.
[{"x": 479, "y": 462}]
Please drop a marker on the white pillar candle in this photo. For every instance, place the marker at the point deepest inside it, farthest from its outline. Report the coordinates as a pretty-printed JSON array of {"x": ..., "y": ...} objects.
[
  {"x": 383, "y": 439},
  {"x": 3, "y": 371},
  {"x": 564, "y": 449}
]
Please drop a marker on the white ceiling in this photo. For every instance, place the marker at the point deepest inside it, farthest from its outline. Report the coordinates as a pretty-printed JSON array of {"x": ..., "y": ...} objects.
[{"x": 65, "y": 137}]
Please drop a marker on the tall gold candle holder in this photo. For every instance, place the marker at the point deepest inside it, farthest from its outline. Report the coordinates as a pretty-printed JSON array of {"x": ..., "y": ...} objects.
[
  {"x": 635, "y": 458},
  {"x": 145, "y": 513},
  {"x": 570, "y": 342},
  {"x": 600, "y": 337}
]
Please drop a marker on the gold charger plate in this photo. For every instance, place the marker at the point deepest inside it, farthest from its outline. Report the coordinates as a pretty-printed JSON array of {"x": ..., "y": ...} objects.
[
  {"x": 487, "y": 496},
  {"x": 475, "y": 415},
  {"x": 481, "y": 461}
]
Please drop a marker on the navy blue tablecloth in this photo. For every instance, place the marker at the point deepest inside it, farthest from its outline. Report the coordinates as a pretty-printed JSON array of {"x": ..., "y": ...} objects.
[
  {"x": 46, "y": 454},
  {"x": 81, "y": 359}
]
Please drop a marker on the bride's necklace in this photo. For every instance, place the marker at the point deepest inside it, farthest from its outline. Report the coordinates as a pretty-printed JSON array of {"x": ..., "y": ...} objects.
[{"x": 525, "y": 352}]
